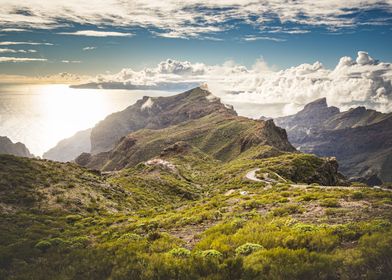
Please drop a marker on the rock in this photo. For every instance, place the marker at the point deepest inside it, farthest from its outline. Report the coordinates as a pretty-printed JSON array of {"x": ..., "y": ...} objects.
[
  {"x": 161, "y": 112},
  {"x": 359, "y": 138},
  {"x": 16, "y": 149},
  {"x": 68, "y": 149},
  {"x": 173, "y": 125}
]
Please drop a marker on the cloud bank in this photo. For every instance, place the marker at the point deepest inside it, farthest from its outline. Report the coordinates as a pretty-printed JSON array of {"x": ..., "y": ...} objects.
[
  {"x": 21, "y": 59},
  {"x": 191, "y": 18},
  {"x": 353, "y": 82},
  {"x": 95, "y": 33}
]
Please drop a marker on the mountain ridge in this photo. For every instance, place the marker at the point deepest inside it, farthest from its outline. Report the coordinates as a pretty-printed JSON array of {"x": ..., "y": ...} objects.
[
  {"x": 16, "y": 149},
  {"x": 356, "y": 137}
]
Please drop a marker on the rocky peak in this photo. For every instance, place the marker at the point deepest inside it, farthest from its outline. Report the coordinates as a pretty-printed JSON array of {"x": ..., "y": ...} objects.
[
  {"x": 316, "y": 104},
  {"x": 156, "y": 113},
  {"x": 311, "y": 116},
  {"x": 16, "y": 149}
]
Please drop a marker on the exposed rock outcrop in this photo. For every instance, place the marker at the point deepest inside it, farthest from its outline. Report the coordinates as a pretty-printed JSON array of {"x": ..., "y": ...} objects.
[
  {"x": 155, "y": 113},
  {"x": 16, "y": 149},
  {"x": 68, "y": 149},
  {"x": 359, "y": 138},
  {"x": 196, "y": 118}
]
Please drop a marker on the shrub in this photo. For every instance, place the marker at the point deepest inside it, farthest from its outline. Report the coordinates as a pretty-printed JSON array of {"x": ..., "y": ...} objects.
[
  {"x": 130, "y": 236},
  {"x": 43, "y": 245},
  {"x": 357, "y": 195},
  {"x": 248, "y": 248},
  {"x": 330, "y": 202},
  {"x": 72, "y": 218},
  {"x": 180, "y": 252},
  {"x": 152, "y": 236},
  {"x": 211, "y": 254},
  {"x": 287, "y": 210}
]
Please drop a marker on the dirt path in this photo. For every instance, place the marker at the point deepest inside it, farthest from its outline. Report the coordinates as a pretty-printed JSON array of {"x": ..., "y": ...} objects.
[{"x": 251, "y": 175}]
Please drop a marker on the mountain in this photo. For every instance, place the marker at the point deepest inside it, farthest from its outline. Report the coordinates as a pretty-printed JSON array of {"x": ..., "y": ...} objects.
[
  {"x": 359, "y": 138},
  {"x": 196, "y": 193},
  {"x": 155, "y": 113},
  {"x": 10, "y": 148},
  {"x": 195, "y": 117},
  {"x": 68, "y": 149}
]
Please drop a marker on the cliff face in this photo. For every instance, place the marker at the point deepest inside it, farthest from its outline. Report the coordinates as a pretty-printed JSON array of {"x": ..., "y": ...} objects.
[
  {"x": 16, "y": 149},
  {"x": 155, "y": 113},
  {"x": 68, "y": 149},
  {"x": 359, "y": 138}
]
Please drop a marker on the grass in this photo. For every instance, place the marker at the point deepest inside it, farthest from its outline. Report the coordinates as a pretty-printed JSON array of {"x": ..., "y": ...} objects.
[{"x": 202, "y": 220}]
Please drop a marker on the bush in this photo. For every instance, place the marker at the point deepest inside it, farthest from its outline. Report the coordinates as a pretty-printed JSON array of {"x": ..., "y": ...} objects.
[
  {"x": 43, "y": 245},
  {"x": 357, "y": 195},
  {"x": 330, "y": 202},
  {"x": 248, "y": 248},
  {"x": 72, "y": 218},
  {"x": 180, "y": 252},
  {"x": 211, "y": 254},
  {"x": 287, "y": 210}
]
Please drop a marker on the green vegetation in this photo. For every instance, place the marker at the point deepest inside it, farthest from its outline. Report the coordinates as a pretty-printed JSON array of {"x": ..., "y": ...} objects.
[{"x": 199, "y": 220}]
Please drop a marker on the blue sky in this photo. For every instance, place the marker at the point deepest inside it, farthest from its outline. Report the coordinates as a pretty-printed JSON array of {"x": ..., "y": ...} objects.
[{"x": 141, "y": 35}]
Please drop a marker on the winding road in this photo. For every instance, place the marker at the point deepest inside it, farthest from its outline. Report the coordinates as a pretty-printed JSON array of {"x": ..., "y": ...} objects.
[{"x": 251, "y": 175}]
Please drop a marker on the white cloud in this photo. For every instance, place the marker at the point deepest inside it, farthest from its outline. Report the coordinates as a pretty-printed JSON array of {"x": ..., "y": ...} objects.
[
  {"x": 21, "y": 59},
  {"x": 95, "y": 33},
  {"x": 267, "y": 38},
  {"x": 172, "y": 18},
  {"x": 71, "y": 61},
  {"x": 9, "y": 43},
  {"x": 363, "y": 81},
  {"x": 14, "y": 30},
  {"x": 89, "y": 48},
  {"x": 6, "y": 50}
]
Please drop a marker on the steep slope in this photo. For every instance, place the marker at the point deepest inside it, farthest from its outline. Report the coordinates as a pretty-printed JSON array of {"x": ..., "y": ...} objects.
[
  {"x": 312, "y": 115},
  {"x": 16, "y": 149},
  {"x": 155, "y": 113},
  {"x": 359, "y": 138},
  {"x": 68, "y": 149},
  {"x": 221, "y": 135},
  {"x": 361, "y": 150},
  {"x": 184, "y": 215}
]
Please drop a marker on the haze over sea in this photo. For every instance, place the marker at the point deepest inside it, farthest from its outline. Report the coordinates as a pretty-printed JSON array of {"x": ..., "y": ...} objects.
[{"x": 41, "y": 115}]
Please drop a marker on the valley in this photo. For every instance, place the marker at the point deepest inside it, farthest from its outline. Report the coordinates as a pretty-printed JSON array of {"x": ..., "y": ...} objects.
[{"x": 209, "y": 196}]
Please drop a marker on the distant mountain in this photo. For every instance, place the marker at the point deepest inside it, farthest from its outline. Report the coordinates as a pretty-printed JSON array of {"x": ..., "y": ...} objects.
[
  {"x": 16, "y": 149},
  {"x": 68, "y": 149},
  {"x": 155, "y": 113},
  {"x": 361, "y": 139},
  {"x": 196, "y": 117}
]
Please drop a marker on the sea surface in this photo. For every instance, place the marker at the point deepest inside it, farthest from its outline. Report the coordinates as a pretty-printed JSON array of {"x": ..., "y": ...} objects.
[{"x": 40, "y": 116}]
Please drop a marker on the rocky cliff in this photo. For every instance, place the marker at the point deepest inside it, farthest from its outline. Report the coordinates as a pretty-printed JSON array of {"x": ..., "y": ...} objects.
[
  {"x": 68, "y": 149},
  {"x": 155, "y": 113},
  {"x": 196, "y": 117},
  {"x": 359, "y": 138},
  {"x": 16, "y": 149}
]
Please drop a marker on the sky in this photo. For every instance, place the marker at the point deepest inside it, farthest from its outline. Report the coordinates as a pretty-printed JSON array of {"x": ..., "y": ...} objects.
[{"x": 266, "y": 51}]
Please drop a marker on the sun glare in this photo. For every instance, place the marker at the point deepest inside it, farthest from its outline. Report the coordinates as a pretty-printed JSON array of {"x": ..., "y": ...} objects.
[{"x": 66, "y": 111}]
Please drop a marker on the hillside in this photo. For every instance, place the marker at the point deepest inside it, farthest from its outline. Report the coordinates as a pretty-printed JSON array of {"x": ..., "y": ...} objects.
[
  {"x": 359, "y": 138},
  {"x": 155, "y": 113},
  {"x": 184, "y": 215},
  {"x": 207, "y": 195},
  {"x": 16, "y": 149},
  {"x": 68, "y": 149},
  {"x": 212, "y": 134}
]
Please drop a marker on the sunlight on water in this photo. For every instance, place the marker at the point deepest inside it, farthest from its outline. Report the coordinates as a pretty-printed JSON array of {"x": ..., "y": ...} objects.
[{"x": 42, "y": 115}]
